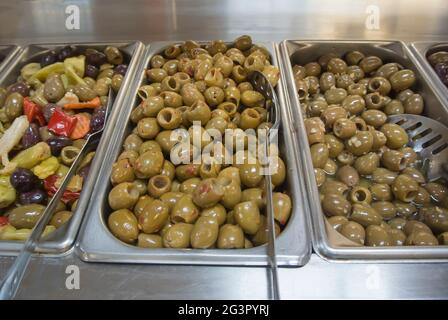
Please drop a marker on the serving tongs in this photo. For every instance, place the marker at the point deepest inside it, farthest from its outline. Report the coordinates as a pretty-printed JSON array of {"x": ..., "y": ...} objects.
[
  {"x": 11, "y": 282},
  {"x": 261, "y": 84},
  {"x": 429, "y": 139}
]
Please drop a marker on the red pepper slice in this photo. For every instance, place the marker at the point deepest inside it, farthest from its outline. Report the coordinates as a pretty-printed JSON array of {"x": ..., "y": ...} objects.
[
  {"x": 49, "y": 185},
  {"x": 4, "y": 220},
  {"x": 33, "y": 111},
  {"x": 62, "y": 124}
]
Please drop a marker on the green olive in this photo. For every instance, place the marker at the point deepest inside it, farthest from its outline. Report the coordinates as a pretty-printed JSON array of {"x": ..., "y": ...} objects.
[
  {"x": 385, "y": 208},
  {"x": 132, "y": 143},
  {"x": 393, "y": 160},
  {"x": 443, "y": 239},
  {"x": 436, "y": 218},
  {"x": 414, "y": 226},
  {"x": 113, "y": 55},
  {"x": 142, "y": 202},
  {"x": 247, "y": 216},
  {"x": 199, "y": 111},
  {"x": 187, "y": 171},
  {"x": 169, "y": 119},
  {"x": 178, "y": 236},
  {"x": 405, "y": 210},
  {"x": 374, "y": 100},
  {"x": 204, "y": 233},
  {"x": 402, "y": 80},
  {"x": 356, "y": 74},
  {"x": 123, "y": 196},
  {"x": 420, "y": 238},
  {"x": 414, "y": 104},
  {"x": 282, "y": 207},
  {"x": 396, "y": 136},
  {"x": 250, "y": 174},
  {"x": 394, "y": 107},
  {"x": 361, "y": 195},
  {"x": 232, "y": 192},
  {"x": 334, "y": 204},
  {"x": 370, "y": 64},
  {"x": 54, "y": 88},
  {"x": 380, "y": 85},
  {"x": 354, "y": 104},
  {"x": 157, "y": 61},
  {"x": 230, "y": 237},
  {"x": 365, "y": 215},
  {"x": 344, "y": 128},
  {"x": 84, "y": 92},
  {"x": 343, "y": 81},
  {"x": 13, "y": 106},
  {"x": 208, "y": 193},
  {"x": 377, "y": 236},
  {"x": 353, "y": 231},
  {"x": 25, "y": 216},
  {"x": 361, "y": 143},
  {"x": 217, "y": 211},
  {"x": 327, "y": 81},
  {"x": 154, "y": 216},
  {"x": 374, "y": 118},
  {"x": 319, "y": 154},
  {"x": 123, "y": 225},
  {"x": 116, "y": 82},
  {"x": 333, "y": 186},
  {"x": 396, "y": 237},
  {"x": 171, "y": 198},
  {"x": 315, "y": 130},
  {"x": 122, "y": 171},
  {"x": 149, "y": 241},
  {"x": 334, "y": 144},
  {"x": 189, "y": 185},
  {"x": 335, "y": 95},
  {"x": 348, "y": 175},
  {"x": 336, "y": 66},
  {"x": 367, "y": 164},
  {"x": 397, "y": 223},
  {"x": 149, "y": 145},
  {"x": 437, "y": 191},
  {"x": 148, "y": 164},
  {"x": 353, "y": 57},
  {"x": 158, "y": 185},
  {"x": 405, "y": 188},
  {"x": 60, "y": 218},
  {"x": 357, "y": 89},
  {"x": 184, "y": 210},
  {"x": 337, "y": 222},
  {"x": 381, "y": 192}
]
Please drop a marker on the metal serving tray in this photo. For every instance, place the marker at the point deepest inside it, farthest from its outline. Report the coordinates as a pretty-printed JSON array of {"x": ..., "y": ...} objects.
[
  {"x": 7, "y": 53},
  {"x": 96, "y": 242},
  {"x": 62, "y": 239},
  {"x": 301, "y": 52},
  {"x": 421, "y": 51}
]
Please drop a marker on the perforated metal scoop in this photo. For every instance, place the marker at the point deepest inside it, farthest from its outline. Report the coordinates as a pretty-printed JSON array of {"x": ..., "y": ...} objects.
[{"x": 428, "y": 138}]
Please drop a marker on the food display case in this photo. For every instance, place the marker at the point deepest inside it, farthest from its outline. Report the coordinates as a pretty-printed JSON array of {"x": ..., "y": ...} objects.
[{"x": 309, "y": 258}]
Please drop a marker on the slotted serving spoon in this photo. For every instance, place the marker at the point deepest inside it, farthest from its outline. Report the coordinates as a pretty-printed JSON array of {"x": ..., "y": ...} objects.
[
  {"x": 429, "y": 139},
  {"x": 11, "y": 282},
  {"x": 263, "y": 86}
]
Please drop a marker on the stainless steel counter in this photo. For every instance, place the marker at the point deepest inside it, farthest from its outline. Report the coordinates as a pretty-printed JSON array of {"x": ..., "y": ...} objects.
[{"x": 24, "y": 22}]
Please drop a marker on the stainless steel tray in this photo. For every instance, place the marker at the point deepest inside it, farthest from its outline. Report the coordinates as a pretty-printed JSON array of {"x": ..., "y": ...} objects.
[
  {"x": 96, "y": 243},
  {"x": 421, "y": 50},
  {"x": 7, "y": 53},
  {"x": 300, "y": 52},
  {"x": 65, "y": 236}
]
